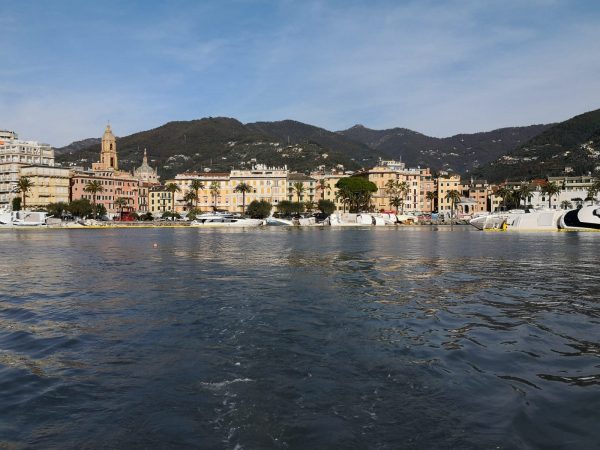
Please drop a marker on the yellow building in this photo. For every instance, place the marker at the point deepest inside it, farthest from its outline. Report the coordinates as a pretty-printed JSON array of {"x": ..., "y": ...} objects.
[
  {"x": 446, "y": 183},
  {"x": 208, "y": 199},
  {"x": 309, "y": 186},
  {"x": 266, "y": 183},
  {"x": 415, "y": 180},
  {"x": 159, "y": 200},
  {"x": 326, "y": 189},
  {"x": 50, "y": 185}
]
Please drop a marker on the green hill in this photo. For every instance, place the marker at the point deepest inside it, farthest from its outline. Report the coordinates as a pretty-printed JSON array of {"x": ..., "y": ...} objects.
[
  {"x": 461, "y": 153},
  {"x": 574, "y": 143},
  {"x": 222, "y": 143}
]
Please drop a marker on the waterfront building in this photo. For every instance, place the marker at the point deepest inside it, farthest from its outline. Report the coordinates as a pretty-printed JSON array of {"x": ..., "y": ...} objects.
[
  {"x": 267, "y": 183},
  {"x": 309, "y": 186},
  {"x": 414, "y": 199},
  {"x": 427, "y": 185},
  {"x": 115, "y": 183},
  {"x": 446, "y": 183},
  {"x": 326, "y": 189},
  {"x": 208, "y": 199},
  {"x": 15, "y": 154},
  {"x": 159, "y": 200},
  {"x": 49, "y": 185},
  {"x": 475, "y": 197},
  {"x": 121, "y": 186},
  {"x": 574, "y": 191}
]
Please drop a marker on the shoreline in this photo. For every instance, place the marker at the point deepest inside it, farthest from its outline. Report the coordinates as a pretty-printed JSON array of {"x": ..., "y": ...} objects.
[{"x": 131, "y": 226}]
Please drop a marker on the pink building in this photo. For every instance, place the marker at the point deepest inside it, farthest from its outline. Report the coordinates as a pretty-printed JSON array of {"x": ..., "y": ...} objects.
[{"x": 114, "y": 185}]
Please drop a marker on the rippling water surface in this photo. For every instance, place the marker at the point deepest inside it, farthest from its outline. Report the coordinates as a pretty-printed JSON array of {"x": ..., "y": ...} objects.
[{"x": 299, "y": 338}]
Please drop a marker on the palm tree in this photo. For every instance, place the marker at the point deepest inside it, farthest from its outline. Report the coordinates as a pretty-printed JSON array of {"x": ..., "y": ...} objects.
[
  {"x": 345, "y": 195},
  {"x": 504, "y": 193},
  {"x": 172, "y": 188},
  {"x": 190, "y": 198},
  {"x": 323, "y": 186},
  {"x": 93, "y": 187},
  {"x": 396, "y": 202},
  {"x": 566, "y": 204},
  {"x": 310, "y": 206},
  {"x": 551, "y": 189},
  {"x": 403, "y": 190},
  {"x": 454, "y": 196},
  {"x": 24, "y": 185},
  {"x": 391, "y": 188},
  {"x": 299, "y": 189},
  {"x": 121, "y": 202},
  {"x": 215, "y": 191},
  {"x": 243, "y": 188},
  {"x": 432, "y": 197},
  {"x": 593, "y": 191},
  {"x": 526, "y": 190},
  {"x": 196, "y": 185}
]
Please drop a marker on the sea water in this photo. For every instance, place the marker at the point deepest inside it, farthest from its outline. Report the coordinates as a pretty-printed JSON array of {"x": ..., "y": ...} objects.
[{"x": 299, "y": 338}]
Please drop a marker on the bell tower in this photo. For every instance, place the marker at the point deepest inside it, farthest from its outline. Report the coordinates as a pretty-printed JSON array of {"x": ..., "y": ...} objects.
[{"x": 108, "y": 154}]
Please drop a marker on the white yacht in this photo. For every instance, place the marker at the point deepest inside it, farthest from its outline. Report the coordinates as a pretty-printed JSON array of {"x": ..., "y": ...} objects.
[
  {"x": 23, "y": 219},
  {"x": 586, "y": 218},
  {"x": 519, "y": 220},
  {"x": 354, "y": 220},
  {"x": 493, "y": 221},
  {"x": 224, "y": 220}
]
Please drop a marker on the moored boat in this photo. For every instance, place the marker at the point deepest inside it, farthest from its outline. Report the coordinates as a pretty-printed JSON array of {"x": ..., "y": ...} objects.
[
  {"x": 586, "y": 218},
  {"x": 224, "y": 220},
  {"x": 23, "y": 219}
]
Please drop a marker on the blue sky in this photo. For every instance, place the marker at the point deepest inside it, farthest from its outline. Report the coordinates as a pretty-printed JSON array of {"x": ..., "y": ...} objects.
[{"x": 438, "y": 67}]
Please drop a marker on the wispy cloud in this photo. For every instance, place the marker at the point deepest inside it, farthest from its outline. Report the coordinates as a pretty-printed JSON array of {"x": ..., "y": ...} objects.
[{"x": 437, "y": 67}]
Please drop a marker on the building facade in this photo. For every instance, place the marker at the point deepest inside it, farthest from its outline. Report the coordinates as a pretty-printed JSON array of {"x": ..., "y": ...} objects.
[
  {"x": 15, "y": 154},
  {"x": 115, "y": 183},
  {"x": 416, "y": 181},
  {"x": 49, "y": 185},
  {"x": 309, "y": 188},
  {"x": 445, "y": 184}
]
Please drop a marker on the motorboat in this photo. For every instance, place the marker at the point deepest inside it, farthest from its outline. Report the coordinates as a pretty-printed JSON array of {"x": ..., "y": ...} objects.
[
  {"x": 586, "y": 218},
  {"x": 23, "y": 219},
  {"x": 304, "y": 221},
  {"x": 354, "y": 220},
  {"x": 279, "y": 221},
  {"x": 520, "y": 220},
  {"x": 494, "y": 221},
  {"x": 544, "y": 220},
  {"x": 224, "y": 220}
]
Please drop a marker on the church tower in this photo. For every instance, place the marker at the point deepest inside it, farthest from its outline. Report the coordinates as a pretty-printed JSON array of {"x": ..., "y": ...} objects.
[{"x": 108, "y": 154}]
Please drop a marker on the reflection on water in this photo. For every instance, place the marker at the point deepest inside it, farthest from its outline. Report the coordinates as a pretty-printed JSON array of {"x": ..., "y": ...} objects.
[{"x": 290, "y": 338}]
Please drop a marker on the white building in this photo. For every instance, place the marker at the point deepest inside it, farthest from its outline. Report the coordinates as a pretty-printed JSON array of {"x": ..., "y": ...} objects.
[
  {"x": 14, "y": 154},
  {"x": 574, "y": 190}
]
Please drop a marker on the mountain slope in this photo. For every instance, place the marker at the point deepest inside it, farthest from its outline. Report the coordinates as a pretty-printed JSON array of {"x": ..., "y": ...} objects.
[
  {"x": 462, "y": 153},
  {"x": 574, "y": 143},
  {"x": 77, "y": 145},
  {"x": 219, "y": 144}
]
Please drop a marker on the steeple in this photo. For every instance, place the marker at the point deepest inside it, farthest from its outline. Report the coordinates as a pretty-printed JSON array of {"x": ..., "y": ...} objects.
[
  {"x": 145, "y": 159},
  {"x": 108, "y": 154}
]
